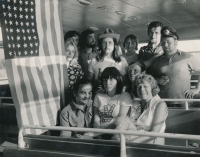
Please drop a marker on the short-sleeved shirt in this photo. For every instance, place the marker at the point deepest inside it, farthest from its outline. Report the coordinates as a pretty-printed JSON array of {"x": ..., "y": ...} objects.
[
  {"x": 178, "y": 68},
  {"x": 95, "y": 65},
  {"x": 84, "y": 59},
  {"x": 131, "y": 58},
  {"x": 109, "y": 106},
  {"x": 74, "y": 116},
  {"x": 147, "y": 52}
]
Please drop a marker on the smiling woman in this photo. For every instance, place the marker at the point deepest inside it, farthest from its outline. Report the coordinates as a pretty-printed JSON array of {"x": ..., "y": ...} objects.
[{"x": 151, "y": 112}]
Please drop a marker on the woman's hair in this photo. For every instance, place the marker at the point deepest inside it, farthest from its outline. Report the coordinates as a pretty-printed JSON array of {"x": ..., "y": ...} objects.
[
  {"x": 112, "y": 72},
  {"x": 132, "y": 37},
  {"x": 145, "y": 77},
  {"x": 140, "y": 64},
  {"x": 71, "y": 34},
  {"x": 115, "y": 55}
]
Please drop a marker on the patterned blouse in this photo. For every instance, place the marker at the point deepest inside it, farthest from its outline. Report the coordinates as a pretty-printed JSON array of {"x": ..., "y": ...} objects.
[{"x": 74, "y": 72}]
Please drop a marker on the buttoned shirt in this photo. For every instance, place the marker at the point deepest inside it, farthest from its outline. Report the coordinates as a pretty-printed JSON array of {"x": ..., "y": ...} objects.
[
  {"x": 74, "y": 115},
  {"x": 147, "y": 52}
]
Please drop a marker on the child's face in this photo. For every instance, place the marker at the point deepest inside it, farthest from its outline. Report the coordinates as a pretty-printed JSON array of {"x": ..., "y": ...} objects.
[{"x": 84, "y": 94}]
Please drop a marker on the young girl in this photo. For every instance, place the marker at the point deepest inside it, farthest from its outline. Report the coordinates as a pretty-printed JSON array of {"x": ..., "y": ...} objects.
[{"x": 111, "y": 104}]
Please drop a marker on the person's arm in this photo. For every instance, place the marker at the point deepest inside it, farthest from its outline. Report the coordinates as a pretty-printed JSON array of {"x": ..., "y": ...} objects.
[
  {"x": 64, "y": 121},
  {"x": 96, "y": 123},
  {"x": 195, "y": 66},
  {"x": 123, "y": 110},
  {"x": 159, "y": 118},
  {"x": 196, "y": 96},
  {"x": 126, "y": 103},
  {"x": 163, "y": 80},
  {"x": 91, "y": 70},
  {"x": 149, "y": 62}
]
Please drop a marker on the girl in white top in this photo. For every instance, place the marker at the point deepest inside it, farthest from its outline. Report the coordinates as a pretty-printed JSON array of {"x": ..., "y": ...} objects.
[
  {"x": 108, "y": 57},
  {"x": 111, "y": 104}
]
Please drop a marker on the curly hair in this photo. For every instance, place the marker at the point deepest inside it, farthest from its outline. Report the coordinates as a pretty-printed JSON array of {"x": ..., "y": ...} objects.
[{"x": 145, "y": 77}]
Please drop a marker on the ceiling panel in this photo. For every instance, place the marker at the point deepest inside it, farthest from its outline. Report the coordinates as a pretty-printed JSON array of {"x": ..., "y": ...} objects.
[{"x": 181, "y": 16}]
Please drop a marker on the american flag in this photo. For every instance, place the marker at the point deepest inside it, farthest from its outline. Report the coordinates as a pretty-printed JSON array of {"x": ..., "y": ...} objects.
[{"x": 35, "y": 60}]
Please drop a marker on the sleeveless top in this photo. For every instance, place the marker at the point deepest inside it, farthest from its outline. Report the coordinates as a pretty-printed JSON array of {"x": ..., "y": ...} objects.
[{"x": 144, "y": 120}]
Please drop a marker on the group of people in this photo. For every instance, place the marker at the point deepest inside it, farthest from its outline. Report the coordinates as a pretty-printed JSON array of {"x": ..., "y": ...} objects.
[{"x": 104, "y": 81}]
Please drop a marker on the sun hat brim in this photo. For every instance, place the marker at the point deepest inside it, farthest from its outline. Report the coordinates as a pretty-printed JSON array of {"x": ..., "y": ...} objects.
[{"x": 109, "y": 35}]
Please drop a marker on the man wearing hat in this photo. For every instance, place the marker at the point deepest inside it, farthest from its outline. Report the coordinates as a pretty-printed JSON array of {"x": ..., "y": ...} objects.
[
  {"x": 108, "y": 56},
  {"x": 87, "y": 50},
  {"x": 172, "y": 70}
]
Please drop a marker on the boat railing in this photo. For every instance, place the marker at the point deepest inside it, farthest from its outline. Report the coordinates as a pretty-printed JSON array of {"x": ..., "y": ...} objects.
[
  {"x": 22, "y": 144},
  {"x": 166, "y": 100}
]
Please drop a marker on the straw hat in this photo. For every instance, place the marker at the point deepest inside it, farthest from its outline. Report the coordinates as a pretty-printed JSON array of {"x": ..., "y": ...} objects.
[{"x": 109, "y": 33}]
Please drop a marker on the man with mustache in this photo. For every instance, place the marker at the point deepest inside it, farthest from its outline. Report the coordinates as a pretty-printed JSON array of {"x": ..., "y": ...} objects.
[
  {"x": 88, "y": 50},
  {"x": 79, "y": 112},
  {"x": 148, "y": 53}
]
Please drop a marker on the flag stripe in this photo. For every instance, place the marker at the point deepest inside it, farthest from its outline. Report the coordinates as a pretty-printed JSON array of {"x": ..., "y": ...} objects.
[
  {"x": 38, "y": 92},
  {"x": 28, "y": 95},
  {"x": 39, "y": 27},
  {"x": 42, "y": 26},
  {"x": 54, "y": 33},
  {"x": 60, "y": 47},
  {"x": 47, "y": 77},
  {"x": 16, "y": 95},
  {"x": 48, "y": 6},
  {"x": 20, "y": 95}
]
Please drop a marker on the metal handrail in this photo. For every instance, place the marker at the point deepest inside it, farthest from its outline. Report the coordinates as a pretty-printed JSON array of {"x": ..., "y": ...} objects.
[
  {"x": 5, "y": 97},
  {"x": 21, "y": 143},
  {"x": 189, "y": 100}
]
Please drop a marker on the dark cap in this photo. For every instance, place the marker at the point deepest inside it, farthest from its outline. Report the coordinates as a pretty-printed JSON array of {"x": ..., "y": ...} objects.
[
  {"x": 169, "y": 32},
  {"x": 109, "y": 33}
]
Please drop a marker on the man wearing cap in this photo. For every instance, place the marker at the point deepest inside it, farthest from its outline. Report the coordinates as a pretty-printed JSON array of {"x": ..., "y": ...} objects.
[
  {"x": 173, "y": 69},
  {"x": 87, "y": 50},
  {"x": 148, "y": 53}
]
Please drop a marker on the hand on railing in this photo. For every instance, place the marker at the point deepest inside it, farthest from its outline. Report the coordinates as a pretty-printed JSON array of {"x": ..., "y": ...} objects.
[{"x": 189, "y": 94}]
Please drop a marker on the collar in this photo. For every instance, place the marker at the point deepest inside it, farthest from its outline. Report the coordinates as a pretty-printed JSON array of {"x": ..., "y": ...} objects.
[
  {"x": 151, "y": 47},
  {"x": 75, "y": 107}
]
